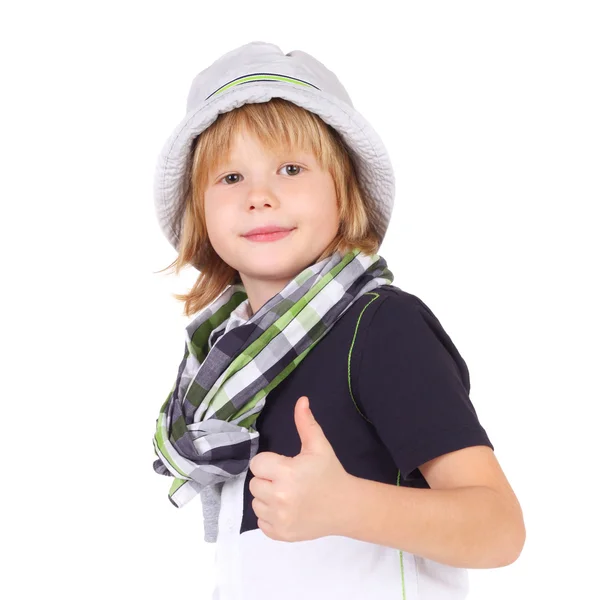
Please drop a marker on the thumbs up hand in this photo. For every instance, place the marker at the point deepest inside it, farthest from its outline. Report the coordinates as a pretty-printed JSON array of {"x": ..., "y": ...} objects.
[{"x": 301, "y": 497}]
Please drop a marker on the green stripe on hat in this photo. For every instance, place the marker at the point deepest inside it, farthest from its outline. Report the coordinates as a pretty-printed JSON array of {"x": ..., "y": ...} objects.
[{"x": 262, "y": 77}]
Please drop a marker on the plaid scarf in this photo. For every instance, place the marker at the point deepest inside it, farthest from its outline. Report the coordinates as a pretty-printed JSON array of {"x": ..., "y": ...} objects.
[{"x": 204, "y": 431}]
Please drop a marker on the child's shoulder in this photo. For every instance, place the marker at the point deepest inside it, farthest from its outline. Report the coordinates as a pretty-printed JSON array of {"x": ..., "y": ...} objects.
[
  {"x": 399, "y": 295},
  {"x": 400, "y": 324},
  {"x": 390, "y": 302}
]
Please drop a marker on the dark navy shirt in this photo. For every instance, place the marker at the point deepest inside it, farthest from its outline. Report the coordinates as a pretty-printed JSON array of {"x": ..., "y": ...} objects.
[{"x": 388, "y": 387}]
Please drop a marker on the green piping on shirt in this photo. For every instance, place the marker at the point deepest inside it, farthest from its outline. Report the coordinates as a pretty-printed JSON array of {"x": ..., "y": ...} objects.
[
  {"x": 375, "y": 296},
  {"x": 401, "y": 555}
]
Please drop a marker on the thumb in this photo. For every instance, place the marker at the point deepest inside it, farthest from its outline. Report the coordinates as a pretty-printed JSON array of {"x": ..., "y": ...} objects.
[{"x": 311, "y": 435}]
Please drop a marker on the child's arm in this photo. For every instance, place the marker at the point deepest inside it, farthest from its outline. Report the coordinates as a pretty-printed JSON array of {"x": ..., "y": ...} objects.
[
  {"x": 412, "y": 385},
  {"x": 469, "y": 518}
]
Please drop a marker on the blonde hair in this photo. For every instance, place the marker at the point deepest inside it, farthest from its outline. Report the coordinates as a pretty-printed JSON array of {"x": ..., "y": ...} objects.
[{"x": 279, "y": 125}]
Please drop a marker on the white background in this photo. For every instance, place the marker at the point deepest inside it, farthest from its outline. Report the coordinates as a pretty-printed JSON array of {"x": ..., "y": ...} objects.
[{"x": 490, "y": 113}]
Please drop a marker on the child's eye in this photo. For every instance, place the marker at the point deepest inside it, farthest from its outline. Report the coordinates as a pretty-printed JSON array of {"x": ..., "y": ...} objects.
[
  {"x": 230, "y": 175},
  {"x": 292, "y": 165},
  {"x": 298, "y": 168}
]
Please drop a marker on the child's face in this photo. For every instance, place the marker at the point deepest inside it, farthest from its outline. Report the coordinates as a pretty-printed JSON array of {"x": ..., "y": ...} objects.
[{"x": 255, "y": 189}]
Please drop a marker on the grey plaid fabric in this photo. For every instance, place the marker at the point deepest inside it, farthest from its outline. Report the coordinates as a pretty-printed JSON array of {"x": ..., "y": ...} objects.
[{"x": 204, "y": 432}]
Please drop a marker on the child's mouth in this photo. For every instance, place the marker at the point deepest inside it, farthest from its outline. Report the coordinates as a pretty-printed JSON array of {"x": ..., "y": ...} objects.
[{"x": 268, "y": 237}]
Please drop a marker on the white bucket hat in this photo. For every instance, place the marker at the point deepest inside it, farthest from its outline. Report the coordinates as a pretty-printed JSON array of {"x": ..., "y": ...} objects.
[{"x": 257, "y": 72}]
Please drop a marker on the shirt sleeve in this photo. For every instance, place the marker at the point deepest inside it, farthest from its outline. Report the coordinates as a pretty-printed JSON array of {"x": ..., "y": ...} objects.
[{"x": 413, "y": 385}]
